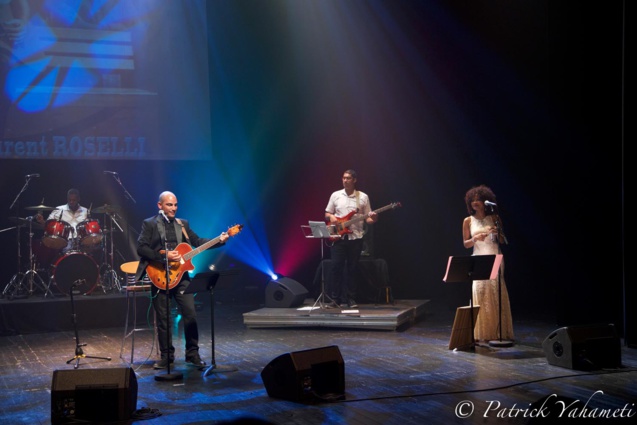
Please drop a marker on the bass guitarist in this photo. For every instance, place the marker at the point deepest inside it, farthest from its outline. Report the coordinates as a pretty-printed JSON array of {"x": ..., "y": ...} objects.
[
  {"x": 159, "y": 232},
  {"x": 344, "y": 205}
]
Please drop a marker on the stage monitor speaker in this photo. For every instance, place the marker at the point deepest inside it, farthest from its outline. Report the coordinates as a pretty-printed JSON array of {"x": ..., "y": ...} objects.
[
  {"x": 584, "y": 347},
  {"x": 306, "y": 376},
  {"x": 284, "y": 293},
  {"x": 94, "y": 395}
]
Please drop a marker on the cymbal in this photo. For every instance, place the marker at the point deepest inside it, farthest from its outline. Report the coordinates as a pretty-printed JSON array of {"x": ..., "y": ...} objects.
[
  {"x": 106, "y": 209},
  {"x": 25, "y": 222},
  {"x": 39, "y": 207}
]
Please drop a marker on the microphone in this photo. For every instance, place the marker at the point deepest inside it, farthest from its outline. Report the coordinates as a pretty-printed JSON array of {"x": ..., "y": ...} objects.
[
  {"x": 28, "y": 176},
  {"x": 110, "y": 172},
  {"x": 164, "y": 215},
  {"x": 490, "y": 204}
]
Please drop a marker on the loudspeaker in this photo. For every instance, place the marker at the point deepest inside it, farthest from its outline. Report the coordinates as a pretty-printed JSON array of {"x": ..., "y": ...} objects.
[
  {"x": 93, "y": 395},
  {"x": 584, "y": 347},
  {"x": 306, "y": 376},
  {"x": 284, "y": 292}
]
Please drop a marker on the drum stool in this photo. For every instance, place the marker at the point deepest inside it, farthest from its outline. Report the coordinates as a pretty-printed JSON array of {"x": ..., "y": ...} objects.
[{"x": 130, "y": 329}]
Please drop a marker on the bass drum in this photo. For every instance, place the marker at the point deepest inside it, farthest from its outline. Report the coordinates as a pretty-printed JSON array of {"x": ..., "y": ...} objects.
[{"x": 75, "y": 270}]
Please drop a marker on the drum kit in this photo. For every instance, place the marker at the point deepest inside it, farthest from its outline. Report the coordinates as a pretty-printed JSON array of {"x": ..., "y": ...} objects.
[{"x": 76, "y": 263}]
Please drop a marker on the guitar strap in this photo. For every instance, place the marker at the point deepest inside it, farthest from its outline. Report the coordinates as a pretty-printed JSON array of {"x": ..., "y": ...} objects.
[
  {"x": 183, "y": 230},
  {"x": 358, "y": 197}
]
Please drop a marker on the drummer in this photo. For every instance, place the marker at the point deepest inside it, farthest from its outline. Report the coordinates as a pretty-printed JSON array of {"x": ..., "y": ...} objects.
[{"x": 72, "y": 213}]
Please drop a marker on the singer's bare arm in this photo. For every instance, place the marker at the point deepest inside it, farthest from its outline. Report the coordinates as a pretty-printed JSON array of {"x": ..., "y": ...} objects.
[{"x": 469, "y": 240}]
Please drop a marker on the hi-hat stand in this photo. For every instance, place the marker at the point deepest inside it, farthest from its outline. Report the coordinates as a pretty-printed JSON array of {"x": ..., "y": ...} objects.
[
  {"x": 318, "y": 230},
  {"x": 79, "y": 353}
]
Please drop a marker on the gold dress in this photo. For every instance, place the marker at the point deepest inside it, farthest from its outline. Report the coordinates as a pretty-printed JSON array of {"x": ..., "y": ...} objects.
[{"x": 485, "y": 292}]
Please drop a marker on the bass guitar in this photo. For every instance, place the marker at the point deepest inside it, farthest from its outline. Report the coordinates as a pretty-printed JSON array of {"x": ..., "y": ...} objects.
[
  {"x": 341, "y": 226},
  {"x": 157, "y": 272}
]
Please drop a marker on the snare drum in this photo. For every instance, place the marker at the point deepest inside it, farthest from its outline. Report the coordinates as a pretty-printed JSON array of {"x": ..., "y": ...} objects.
[
  {"x": 75, "y": 268},
  {"x": 89, "y": 233},
  {"x": 56, "y": 233}
]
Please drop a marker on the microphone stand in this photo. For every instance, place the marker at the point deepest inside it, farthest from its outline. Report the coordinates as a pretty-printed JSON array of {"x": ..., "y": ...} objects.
[
  {"x": 79, "y": 353},
  {"x": 168, "y": 376},
  {"x": 126, "y": 194},
  {"x": 500, "y": 342}
]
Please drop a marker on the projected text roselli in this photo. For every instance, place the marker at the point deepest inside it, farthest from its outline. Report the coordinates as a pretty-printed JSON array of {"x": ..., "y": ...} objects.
[{"x": 76, "y": 147}]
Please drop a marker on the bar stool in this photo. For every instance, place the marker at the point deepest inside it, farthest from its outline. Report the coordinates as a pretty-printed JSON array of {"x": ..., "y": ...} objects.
[{"x": 132, "y": 288}]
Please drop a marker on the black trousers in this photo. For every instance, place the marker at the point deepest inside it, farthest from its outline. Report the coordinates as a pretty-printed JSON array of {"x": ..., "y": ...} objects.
[
  {"x": 345, "y": 254},
  {"x": 186, "y": 306}
]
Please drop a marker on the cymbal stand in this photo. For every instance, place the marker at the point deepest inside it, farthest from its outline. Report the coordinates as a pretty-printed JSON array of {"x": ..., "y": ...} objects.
[
  {"x": 110, "y": 279},
  {"x": 79, "y": 353},
  {"x": 32, "y": 275},
  {"x": 11, "y": 288}
]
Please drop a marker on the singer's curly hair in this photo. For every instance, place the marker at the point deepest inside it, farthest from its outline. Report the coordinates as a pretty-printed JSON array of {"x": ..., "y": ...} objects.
[{"x": 483, "y": 193}]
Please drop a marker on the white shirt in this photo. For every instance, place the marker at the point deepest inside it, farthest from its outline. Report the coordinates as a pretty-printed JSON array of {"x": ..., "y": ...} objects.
[
  {"x": 340, "y": 204},
  {"x": 64, "y": 213}
]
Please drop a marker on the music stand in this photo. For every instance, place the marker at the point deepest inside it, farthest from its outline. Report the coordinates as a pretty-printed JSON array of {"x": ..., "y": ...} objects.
[
  {"x": 468, "y": 269},
  {"x": 207, "y": 281},
  {"x": 318, "y": 230}
]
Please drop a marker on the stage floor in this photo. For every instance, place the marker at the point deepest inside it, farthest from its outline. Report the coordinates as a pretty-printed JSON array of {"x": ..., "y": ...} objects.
[{"x": 408, "y": 377}]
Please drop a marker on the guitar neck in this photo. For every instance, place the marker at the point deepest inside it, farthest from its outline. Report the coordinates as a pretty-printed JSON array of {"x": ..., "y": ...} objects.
[
  {"x": 363, "y": 217},
  {"x": 201, "y": 248}
]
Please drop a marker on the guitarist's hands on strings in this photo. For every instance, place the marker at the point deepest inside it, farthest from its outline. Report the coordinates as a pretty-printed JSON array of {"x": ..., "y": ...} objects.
[{"x": 173, "y": 256}]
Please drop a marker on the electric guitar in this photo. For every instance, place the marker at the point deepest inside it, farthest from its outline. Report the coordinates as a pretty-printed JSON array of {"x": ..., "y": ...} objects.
[
  {"x": 341, "y": 226},
  {"x": 157, "y": 271}
]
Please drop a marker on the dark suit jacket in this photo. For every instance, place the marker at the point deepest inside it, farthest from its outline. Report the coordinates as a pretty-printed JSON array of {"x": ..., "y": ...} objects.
[{"x": 150, "y": 241}]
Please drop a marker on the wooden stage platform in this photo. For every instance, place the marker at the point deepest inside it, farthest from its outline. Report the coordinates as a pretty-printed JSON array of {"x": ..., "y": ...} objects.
[{"x": 395, "y": 316}]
